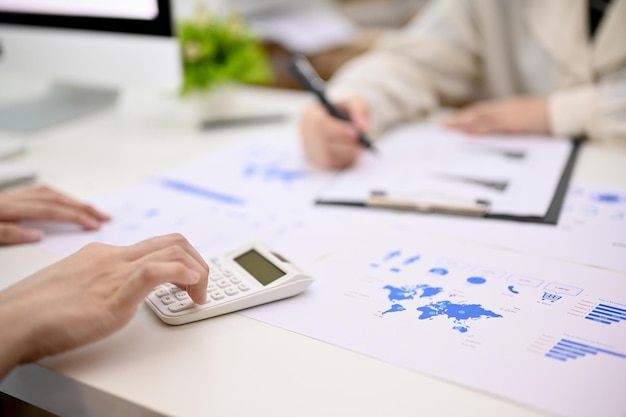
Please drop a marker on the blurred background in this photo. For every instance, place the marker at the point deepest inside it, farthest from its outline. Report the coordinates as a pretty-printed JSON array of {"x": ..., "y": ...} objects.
[{"x": 328, "y": 32}]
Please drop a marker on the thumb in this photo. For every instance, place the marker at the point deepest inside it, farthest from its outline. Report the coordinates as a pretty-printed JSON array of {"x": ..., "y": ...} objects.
[{"x": 12, "y": 233}]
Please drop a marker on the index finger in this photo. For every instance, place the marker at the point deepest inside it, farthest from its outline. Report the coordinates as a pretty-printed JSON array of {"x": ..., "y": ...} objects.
[
  {"x": 358, "y": 111},
  {"x": 338, "y": 131},
  {"x": 145, "y": 247},
  {"x": 41, "y": 210},
  {"x": 143, "y": 280},
  {"x": 45, "y": 193}
]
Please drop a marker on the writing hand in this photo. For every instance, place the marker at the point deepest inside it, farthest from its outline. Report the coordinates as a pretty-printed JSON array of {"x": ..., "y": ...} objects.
[{"x": 331, "y": 143}]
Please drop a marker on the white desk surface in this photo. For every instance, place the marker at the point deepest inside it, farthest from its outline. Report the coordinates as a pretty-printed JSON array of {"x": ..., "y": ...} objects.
[{"x": 226, "y": 366}]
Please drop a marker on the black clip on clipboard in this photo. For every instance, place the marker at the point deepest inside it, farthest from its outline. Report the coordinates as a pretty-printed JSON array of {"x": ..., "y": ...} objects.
[{"x": 469, "y": 208}]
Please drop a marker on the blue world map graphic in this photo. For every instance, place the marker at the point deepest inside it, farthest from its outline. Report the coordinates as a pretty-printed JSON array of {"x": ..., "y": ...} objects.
[{"x": 459, "y": 312}]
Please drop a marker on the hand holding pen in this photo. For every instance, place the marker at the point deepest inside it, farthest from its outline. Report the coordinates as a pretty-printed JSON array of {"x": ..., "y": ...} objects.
[{"x": 329, "y": 141}]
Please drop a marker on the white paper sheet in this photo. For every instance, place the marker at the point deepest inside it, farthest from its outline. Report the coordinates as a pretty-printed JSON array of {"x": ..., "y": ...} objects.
[
  {"x": 545, "y": 334},
  {"x": 260, "y": 171},
  {"x": 591, "y": 228},
  {"x": 518, "y": 176},
  {"x": 258, "y": 190}
]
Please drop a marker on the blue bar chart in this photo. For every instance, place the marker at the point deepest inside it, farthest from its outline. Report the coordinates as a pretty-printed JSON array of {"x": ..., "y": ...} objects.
[
  {"x": 607, "y": 314},
  {"x": 567, "y": 349}
]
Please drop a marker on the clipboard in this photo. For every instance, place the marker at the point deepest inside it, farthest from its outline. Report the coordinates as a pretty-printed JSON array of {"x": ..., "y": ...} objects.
[{"x": 479, "y": 208}]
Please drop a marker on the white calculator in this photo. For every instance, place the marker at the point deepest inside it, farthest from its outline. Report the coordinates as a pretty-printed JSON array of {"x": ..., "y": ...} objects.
[{"x": 242, "y": 278}]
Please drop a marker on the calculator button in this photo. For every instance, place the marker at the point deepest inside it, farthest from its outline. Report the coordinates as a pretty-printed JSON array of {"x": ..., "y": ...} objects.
[
  {"x": 231, "y": 291},
  {"x": 216, "y": 277},
  {"x": 243, "y": 287},
  {"x": 168, "y": 299},
  {"x": 182, "y": 295},
  {"x": 181, "y": 305},
  {"x": 160, "y": 292},
  {"x": 235, "y": 280},
  {"x": 227, "y": 273},
  {"x": 217, "y": 295},
  {"x": 223, "y": 283},
  {"x": 211, "y": 287},
  {"x": 174, "y": 289}
]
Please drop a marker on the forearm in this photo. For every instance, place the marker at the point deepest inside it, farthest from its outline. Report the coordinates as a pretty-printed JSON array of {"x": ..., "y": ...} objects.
[
  {"x": 411, "y": 73},
  {"x": 14, "y": 340},
  {"x": 391, "y": 97}
]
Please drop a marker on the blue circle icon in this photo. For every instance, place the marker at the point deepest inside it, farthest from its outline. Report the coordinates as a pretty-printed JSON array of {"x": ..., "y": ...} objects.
[{"x": 476, "y": 280}]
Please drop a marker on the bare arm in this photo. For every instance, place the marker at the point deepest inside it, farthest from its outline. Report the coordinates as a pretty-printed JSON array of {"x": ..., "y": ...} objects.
[{"x": 90, "y": 295}]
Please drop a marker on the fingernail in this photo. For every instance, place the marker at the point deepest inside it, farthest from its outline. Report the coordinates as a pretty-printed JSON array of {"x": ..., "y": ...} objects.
[
  {"x": 92, "y": 223},
  {"x": 105, "y": 217},
  {"x": 32, "y": 235},
  {"x": 203, "y": 298}
]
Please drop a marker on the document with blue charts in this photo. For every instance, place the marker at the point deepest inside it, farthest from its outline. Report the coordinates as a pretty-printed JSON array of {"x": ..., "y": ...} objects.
[
  {"x": 591, "y": 228},
  {"x": 258, "y": 189},
  {"x": 542, "y": 333}
]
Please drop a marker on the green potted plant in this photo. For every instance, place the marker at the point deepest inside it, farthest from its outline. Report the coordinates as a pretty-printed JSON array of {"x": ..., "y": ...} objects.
[{"x": 220, "y": 50}]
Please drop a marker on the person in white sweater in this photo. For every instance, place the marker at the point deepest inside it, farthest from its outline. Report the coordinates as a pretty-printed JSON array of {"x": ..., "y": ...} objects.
[{"x": 509, "y": 66}]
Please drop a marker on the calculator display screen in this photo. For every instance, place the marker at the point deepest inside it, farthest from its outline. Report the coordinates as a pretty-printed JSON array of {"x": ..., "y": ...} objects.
[{"x": 260, "y": 268}]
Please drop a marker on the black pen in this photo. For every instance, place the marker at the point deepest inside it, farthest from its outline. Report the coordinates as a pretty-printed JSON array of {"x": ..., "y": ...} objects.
[{"x": 310, "y": 80}]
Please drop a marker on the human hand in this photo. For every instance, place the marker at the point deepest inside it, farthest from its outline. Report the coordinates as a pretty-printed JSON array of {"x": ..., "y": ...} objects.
[
  {"x": 40, "y": 202},
  {"x": 514, "y": 115},
  {"x": 93, "y": 293},
  {"x": 331, "y": 143}
]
